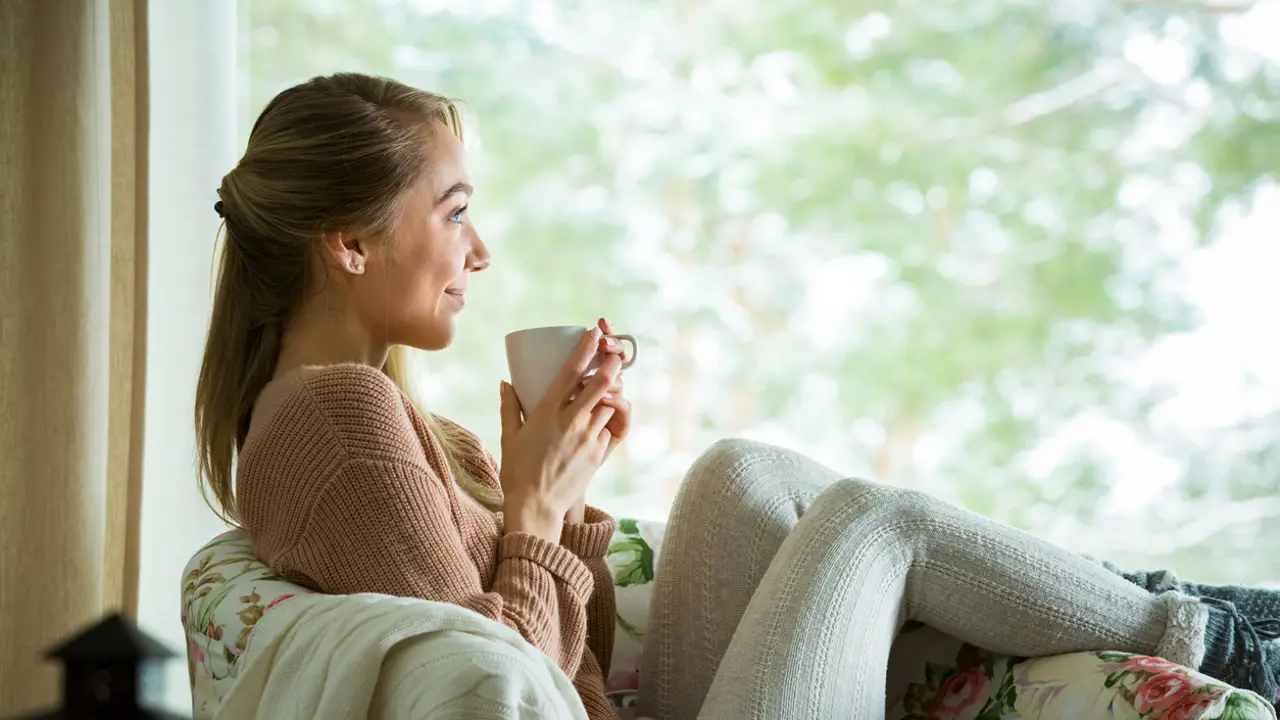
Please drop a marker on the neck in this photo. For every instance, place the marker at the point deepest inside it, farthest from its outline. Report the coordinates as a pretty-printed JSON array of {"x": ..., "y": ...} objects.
[{"x": 317, "y": 337}]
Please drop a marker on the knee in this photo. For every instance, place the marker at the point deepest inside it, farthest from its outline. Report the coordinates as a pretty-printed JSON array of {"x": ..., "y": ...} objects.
[
  {"x": 737, "y": 462},
  {"x": 727, "y": 466},
  {"x": 738, "y": 471},
  {"x": 732, "y": 452},
  {"x": 899, "y": 511}
]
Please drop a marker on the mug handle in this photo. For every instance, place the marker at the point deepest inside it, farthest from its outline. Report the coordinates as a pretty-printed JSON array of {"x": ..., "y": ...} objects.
[{"x": 635, "y": 348}]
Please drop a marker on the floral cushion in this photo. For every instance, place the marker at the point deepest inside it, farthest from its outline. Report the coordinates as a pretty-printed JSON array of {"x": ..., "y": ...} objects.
[
  {"x": 225, "y": 591},
  {"x": 936, "y": 677},
  {"x": 932, "y": 676},
  {"x": 632, "y": 557}
]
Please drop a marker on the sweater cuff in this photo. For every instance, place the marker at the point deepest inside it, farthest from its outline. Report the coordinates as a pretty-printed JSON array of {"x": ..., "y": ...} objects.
[
  {"x": 589, "y": 539},
  {"x": 562, "y": 564}
]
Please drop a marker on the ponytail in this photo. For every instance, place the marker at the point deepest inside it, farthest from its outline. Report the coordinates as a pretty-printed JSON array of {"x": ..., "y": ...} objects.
[{"x": 239, "y": 360}]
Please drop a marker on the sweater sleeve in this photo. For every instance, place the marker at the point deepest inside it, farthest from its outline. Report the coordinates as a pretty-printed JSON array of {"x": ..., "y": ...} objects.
[
  {"x": 589, "y": 541},
  {"x": 387, "y": 527}
]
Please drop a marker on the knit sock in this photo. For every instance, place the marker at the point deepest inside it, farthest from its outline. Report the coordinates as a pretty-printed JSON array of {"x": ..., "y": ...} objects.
[
  {"x": 1229, "y": 647},
  {"x": 1239, "y": 652}
]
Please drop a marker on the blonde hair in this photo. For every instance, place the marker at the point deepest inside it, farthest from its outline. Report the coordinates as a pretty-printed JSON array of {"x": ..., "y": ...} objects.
[{"x": 330, "y": 154}]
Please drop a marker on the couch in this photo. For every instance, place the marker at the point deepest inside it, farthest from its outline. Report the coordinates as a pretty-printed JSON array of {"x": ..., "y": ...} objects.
[{"x": 226, "y": 591}]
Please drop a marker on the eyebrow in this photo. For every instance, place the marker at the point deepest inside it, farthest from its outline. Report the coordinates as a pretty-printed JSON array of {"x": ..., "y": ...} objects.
[{"x": 460, "y": 187}]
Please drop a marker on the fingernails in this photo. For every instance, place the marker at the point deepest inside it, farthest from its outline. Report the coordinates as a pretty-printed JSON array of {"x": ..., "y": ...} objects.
[
  {"x": 612, "y": 343},
  {"x": 596, "y": 333}
]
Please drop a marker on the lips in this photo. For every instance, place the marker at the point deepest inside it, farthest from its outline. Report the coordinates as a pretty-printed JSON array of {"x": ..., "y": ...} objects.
[{"x": 458, "y": 294}]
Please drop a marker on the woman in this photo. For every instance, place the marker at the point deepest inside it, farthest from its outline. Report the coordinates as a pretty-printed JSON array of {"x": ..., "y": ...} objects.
[{"x": 782, "y": 586}]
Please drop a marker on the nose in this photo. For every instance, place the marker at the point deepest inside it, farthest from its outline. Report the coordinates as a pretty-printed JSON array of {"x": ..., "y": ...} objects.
[{"x": 478, "y": 257}]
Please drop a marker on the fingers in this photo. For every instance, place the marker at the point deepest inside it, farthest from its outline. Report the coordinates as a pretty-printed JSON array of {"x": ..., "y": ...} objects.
[
  {"x": 620, "y": 424},
  {"x": 601, "y": 416},
  {"x": 608, "y": 344},
  {"x": 574, "y": 368},
  {"x": 611, "y": 347},
  {"x": 596, "y": 387},
  {"x": 614, "y": 401},
  {"x": 613, "y": 443},
  {"x": 511, "y": 421}
]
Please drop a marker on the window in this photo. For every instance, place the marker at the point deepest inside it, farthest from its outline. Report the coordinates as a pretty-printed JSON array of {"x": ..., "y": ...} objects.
[{"x": 1020, "y": 255}]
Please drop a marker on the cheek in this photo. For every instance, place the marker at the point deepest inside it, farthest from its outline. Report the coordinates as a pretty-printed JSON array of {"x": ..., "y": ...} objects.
[{"x": 429, "y": 267}]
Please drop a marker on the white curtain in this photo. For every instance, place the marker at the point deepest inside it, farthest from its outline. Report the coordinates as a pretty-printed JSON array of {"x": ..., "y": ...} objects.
[{"x": 193, "y": 143}]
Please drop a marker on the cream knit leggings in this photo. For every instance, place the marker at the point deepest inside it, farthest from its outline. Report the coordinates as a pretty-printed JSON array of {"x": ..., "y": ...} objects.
[{"x": 781, "y": 588}]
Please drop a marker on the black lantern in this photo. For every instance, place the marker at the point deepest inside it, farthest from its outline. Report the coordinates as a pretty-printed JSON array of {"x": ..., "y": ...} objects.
[{"x": 111, "y": 670}]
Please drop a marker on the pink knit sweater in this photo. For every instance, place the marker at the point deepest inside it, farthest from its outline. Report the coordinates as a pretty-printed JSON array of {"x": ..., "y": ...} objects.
[{"x": 344, "y": 489}]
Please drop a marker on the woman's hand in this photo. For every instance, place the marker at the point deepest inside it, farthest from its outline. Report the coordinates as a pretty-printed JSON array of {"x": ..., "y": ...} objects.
[
  {"x": 549, "y": 458},
  {"x": 619, "y": 425}
]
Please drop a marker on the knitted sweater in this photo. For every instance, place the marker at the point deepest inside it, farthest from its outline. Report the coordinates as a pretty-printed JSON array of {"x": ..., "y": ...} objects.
[{"x": 344, "y": 489}]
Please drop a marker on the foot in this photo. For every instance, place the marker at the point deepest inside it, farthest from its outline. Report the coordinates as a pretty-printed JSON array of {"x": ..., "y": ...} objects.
[
  {"x": 1240, "y": 650},
  {"x": 1241, "y": 638}
]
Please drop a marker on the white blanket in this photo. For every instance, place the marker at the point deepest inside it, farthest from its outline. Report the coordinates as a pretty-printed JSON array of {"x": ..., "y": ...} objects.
[{"x": 327, "y": 657}]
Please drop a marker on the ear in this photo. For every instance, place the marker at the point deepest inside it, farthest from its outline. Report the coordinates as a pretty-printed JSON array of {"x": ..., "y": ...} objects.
[{"x": 345, "y": 251}]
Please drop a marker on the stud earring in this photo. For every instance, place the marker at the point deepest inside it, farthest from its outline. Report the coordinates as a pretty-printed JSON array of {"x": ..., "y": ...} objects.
[{"x": 355, "y": 266}]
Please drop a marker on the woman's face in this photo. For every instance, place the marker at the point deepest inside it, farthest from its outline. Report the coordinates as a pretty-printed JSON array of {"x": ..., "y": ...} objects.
[{"x": 416, "y": 277}]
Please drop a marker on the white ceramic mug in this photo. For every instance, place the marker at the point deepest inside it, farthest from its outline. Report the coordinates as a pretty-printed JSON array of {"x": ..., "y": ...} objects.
[{"x": 537, "y": 355}]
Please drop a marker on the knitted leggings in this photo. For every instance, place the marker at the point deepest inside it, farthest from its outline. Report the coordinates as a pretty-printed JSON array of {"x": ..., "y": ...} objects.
[{"x": 782, "y": 587}]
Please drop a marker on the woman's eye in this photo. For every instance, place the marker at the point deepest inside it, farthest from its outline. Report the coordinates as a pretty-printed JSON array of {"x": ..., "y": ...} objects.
[{"x": 457, "y": 215}]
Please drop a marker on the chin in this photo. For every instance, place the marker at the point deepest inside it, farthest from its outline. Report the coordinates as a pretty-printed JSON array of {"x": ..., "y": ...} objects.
[{"x": 432, "y": 338}]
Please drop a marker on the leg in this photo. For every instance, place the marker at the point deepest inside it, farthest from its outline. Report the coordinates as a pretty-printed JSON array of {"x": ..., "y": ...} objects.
[
  {"x": 738, "y": 503},
  {"x": 865, "y": 558}
]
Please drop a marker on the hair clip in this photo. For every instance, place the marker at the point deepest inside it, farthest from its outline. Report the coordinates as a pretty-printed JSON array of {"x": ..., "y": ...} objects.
[{"x": 217, "y": 207}]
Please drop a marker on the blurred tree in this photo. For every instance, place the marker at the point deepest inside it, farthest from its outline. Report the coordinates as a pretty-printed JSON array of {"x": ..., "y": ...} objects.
[{"x": 921, "y": 241}]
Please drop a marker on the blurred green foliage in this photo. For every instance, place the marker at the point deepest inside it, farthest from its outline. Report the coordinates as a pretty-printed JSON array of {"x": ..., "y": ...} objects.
[{"x": 917, "y": 240}]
